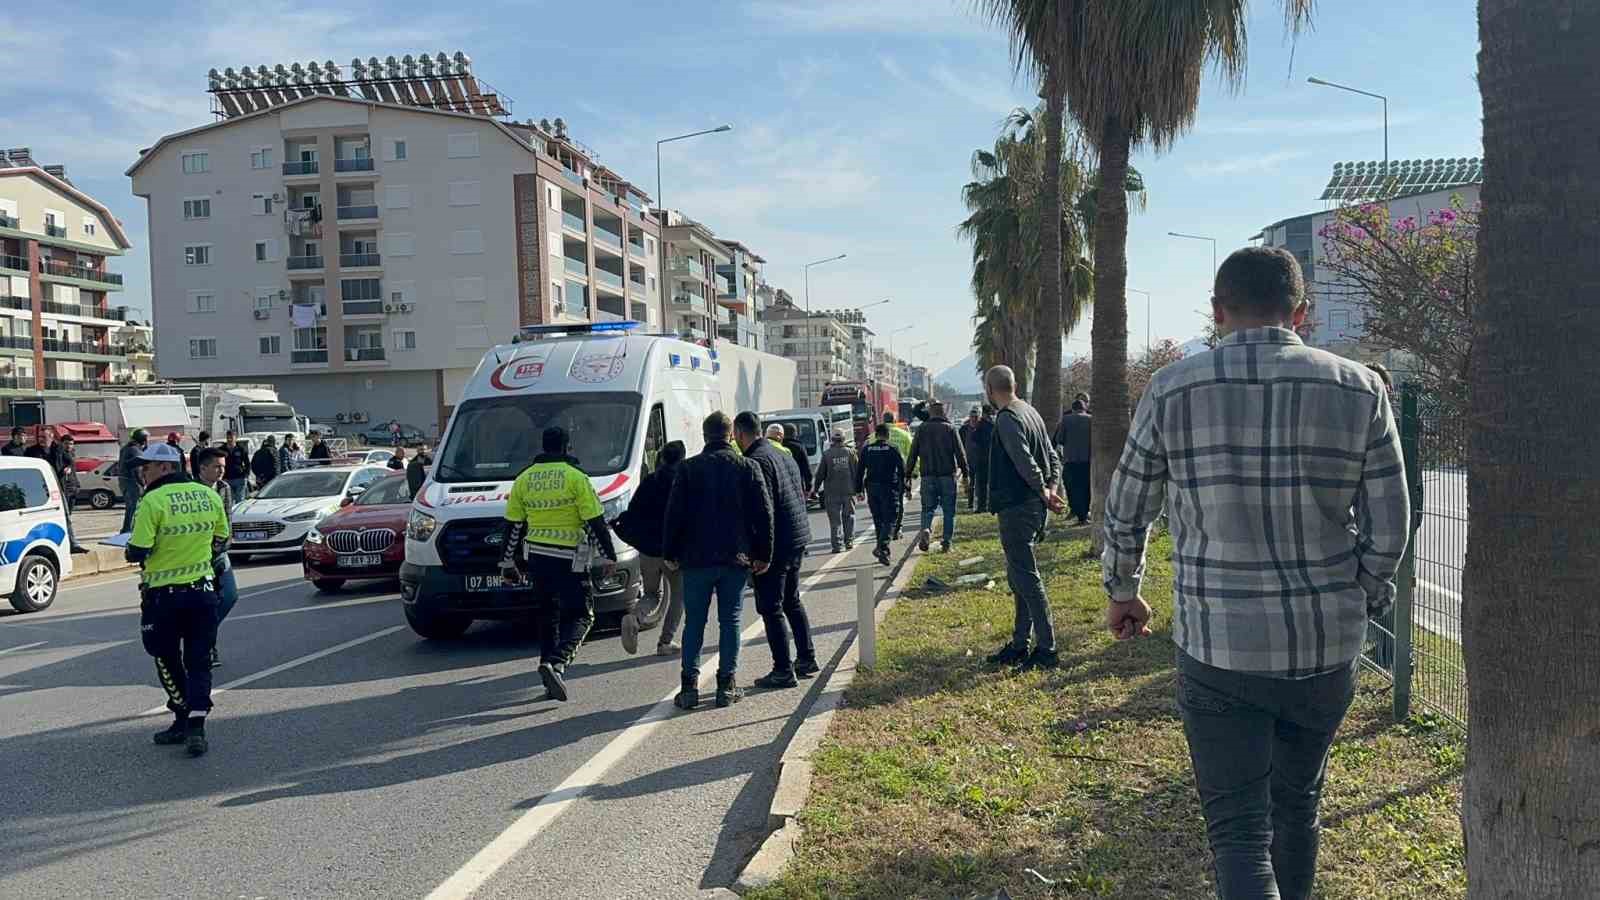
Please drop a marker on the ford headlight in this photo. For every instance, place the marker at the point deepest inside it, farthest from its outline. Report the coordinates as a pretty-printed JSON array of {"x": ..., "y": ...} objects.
[
  {"x": 421, "y": 526},
  {"x": 313, "y": 536},
  {"x": 614, "y": 507},
  {"x": 304, "y": 517}
]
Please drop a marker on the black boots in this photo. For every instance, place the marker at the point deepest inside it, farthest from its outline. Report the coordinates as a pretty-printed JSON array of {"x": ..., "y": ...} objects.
[
  {"x": 1008, "y": 655},
  {"x": 805, "y": 668},
  {"x": 554, "y": 685},
  {"x": 728, "y": 690},
  {"x": 778, "y": 679},
  {"x": 195, "y": 740},
  {"x": 175, "y": 734},
  {"x": 689, "y": 693}
]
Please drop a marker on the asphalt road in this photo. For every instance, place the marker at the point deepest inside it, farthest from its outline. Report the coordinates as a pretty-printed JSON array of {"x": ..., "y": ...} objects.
[
  {"x": 1441, "y": 552},
  {"x": 350, "y": 758}
]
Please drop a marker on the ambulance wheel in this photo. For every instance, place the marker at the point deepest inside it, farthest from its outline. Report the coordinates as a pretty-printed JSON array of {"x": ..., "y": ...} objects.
[
  {"x": 36, "y": 584},
  {"x": 436, "y": 626}
]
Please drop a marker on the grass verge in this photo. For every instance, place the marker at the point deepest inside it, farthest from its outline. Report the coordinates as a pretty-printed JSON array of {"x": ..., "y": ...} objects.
[{"x": 941, "y": 778}]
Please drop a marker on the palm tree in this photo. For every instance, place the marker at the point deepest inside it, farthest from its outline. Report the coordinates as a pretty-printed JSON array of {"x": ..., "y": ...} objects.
[
  {"x": 1130, "y": 75},
  {"x": 1529, "y": 618}
]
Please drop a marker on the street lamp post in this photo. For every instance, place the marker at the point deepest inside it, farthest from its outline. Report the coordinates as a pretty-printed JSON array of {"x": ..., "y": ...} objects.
[
  {"x": 894, "y": 362},
  {"x": 661, "y": 260},
  {"x": 1146, "y": 314},
  {"x": 1344, "y": 87},
  {"x": 807, "y": 268},
  {"x": 1201, "y": 237},
  {"x": 911, "y": 363}
]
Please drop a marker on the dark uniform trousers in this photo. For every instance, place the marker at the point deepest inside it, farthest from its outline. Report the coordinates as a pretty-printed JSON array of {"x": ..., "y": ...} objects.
[
  {"x": 778, "y": 601},
  {"x": 178, "y": 624},
  {"x": 565, "y": 612},
  {"x": 885, "y": 501}
]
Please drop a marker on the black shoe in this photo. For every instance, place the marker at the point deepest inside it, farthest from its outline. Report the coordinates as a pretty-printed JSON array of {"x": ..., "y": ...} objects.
[
  {"x": 849, "y": 545},
  {"x": 728, "y": 690},
  {"x": 216, "y": 658},
  {"x": 1042, "y": 659},
  {"x": 776, "y": 680},
  {"x": 689, "y": 693},
  {"x": 554, "y": 685},
  {"x": 1008, "y": 655},
  {"x": 805, "y": 668},
  {"x": 175, "y": 733},
  {"x": 836, "y": 548},
  {"x": 944, "y": 546},
  {"x": 195, "y": 740},
  {"x": 922, "y": 542}
]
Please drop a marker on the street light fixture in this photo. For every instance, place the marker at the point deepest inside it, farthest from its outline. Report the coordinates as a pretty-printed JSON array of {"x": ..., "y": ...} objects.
[
  {"x": 1344, "y": 87},
  {"x": 1146, "y": 315},
  {"x": 661, "y": 258},
  {"x": 807, "y": 268},
  {"x": 869, "y": 305},
  {"x": 1201, "y": 237},
  {"x": 717, "y": 130}
]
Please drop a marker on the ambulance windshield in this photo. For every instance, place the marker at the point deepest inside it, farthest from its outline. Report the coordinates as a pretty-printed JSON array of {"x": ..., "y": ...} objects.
[{"x": 495, "y": 438}]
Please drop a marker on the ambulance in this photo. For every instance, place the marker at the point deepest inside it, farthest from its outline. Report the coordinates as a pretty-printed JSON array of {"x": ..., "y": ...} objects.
[{"x": 620, "y": 394}]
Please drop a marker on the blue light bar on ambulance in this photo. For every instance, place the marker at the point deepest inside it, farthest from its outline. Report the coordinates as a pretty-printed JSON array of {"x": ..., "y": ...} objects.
[{"x": 529, "y": 332}]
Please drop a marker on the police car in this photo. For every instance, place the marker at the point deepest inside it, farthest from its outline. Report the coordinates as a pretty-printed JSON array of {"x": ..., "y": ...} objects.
[{"x": 34, "y": 551}]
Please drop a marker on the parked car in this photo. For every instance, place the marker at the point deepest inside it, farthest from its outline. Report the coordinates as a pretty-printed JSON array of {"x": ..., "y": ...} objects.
[
  {"x": 101, "y": 486},
  {"x": 364, "y": 539},
  {"x": 277, "y": 518},
  {"x": 373, "y": 457},
  {"x": 33, "y": 528},
  {"x": 381, "y": 436}
]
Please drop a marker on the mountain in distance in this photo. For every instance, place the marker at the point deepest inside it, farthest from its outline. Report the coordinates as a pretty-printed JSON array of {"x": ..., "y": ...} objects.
[{"x": 963, "y": 376}]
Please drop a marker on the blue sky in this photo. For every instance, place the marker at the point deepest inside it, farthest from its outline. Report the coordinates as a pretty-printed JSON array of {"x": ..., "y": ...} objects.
[{"x": 854, "y": 120}]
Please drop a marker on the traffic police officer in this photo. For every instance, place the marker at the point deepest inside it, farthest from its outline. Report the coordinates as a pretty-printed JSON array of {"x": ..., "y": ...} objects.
[
  {"x": 550, "y": 507},
  {"x": 882, "y": 476},
  {"x": 178, "y": 528}
]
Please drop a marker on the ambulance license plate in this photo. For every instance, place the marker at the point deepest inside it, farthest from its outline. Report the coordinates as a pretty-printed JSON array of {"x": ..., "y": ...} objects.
[
  {"x": 480, "y": 583},
  {"x": 364, "y": 561}
]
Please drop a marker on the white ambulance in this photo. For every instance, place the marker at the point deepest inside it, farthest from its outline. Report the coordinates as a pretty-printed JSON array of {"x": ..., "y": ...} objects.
[{"x": 620, "y": 395}]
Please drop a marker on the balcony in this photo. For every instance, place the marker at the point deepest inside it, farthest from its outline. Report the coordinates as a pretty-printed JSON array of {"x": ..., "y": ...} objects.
[
  {"x": 601, "y": 315},
  {"x": 685, "y": 302},
  {"x": 16, "y": 342},
  {"x": 304, "y": 167},
  {"x": 363, "y": 354},
  {"x": 79, "y": 348},
  {"x": 575, "y": 266},
  {"x": 362, "y": 164},
  {"x": 14, "y": 263},
  {"x": 8, "y": 221},
  {"x": 357, "y": 212},
  {"x": 357, "y": 260},
  {"x": 609, "y": 279},
  {"x": 574, "y": 222},
  {"x": 58, "y": 269},
  {"x": 636, "y": 251},
  {"x": 607, "y": 239},
  {"x": 684, "y": 267},
  {"x": 308, "y": 356},
  {"x": 8, "y": 301},
  {"x": 636, "y": 289},
  {"x": 303, "y": 262},
  {"x": 572, "y": 176},
  {"x": 70, "y": 384},
  {"x": 724, "y": 289},
  {"x": 55, "y": 231},
  {"x": 51, "y": 307}
]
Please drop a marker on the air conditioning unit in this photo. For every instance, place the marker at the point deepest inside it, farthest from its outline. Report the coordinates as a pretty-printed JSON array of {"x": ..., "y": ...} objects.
[
  {"x": 277, "y": 198},
  {"x": 340, "y": 418},
  {"x": 263, "y": 313},
  {"x": 405, "y": 307},
  {"x": 389, "y": 308},
  {"x": 359, "y": 418}
]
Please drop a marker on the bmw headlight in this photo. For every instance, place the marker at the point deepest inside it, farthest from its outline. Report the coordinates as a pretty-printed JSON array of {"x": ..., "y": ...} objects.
[
  {"x": 313, "y": 536},
  {"x": 615, "y": 580},
  {"x": 421, "y": 526}
]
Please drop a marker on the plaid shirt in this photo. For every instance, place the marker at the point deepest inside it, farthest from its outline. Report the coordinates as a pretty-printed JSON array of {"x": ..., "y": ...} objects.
[{"x": 1280, "y": 466}]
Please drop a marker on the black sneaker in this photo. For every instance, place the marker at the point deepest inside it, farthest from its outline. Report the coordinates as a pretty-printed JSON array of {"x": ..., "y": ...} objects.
[
  {"x": 1042, "y": 659},
  {"x": 849, "y": 545},
  {"x": 836, "y": 548},
  {"x": 1008, "y": 655},
  {"x": 806, "y": 668},
  {"x": 944, "y": 546},
  {"x": 728, "y": 691},
  {"x": 216, "y": 658},
  {"x": 174, "y": 735},
  {"x": 554, "y": 685},
  {"x": 922, "y": 542},
  {"x": 777, "y": 680},
  {"x": 195, "y": 740}
]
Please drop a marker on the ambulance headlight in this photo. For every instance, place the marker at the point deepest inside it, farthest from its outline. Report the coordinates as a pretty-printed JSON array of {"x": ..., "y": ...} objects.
[
  {"x": 421, "y": 526},
  {"x": 614, "y": 507}
]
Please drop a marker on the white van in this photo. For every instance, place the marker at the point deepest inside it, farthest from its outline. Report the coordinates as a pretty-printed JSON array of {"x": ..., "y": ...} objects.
[
  {"x": 812, "y": 426},
  {"x": 621, "y": 396},
  {"x": 34, "y": 551}
]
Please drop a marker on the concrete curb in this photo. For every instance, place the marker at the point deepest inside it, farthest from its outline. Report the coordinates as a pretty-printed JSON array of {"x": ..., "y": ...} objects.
[
  {"x": 98, "y": 561},
  {"x": 795, "y": 768}
]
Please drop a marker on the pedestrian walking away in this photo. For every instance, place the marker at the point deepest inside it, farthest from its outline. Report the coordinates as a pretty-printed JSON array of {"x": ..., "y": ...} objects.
[
  {"x": 937, "y": 449},
  {"x": 836, "y": 481},
  {"x": 553, "y": 522},
  {"x": 1073, "y": 438},
  {"x": 236, "y": 467},
  {"x": 1023, "y": 469},
  {"x": 128, "y": 463},
  {"x": 264, "y": 465},
  {"x": 882, "y": 476},
  {"x": 778, "y": 588},
  {"x": 179, "y": 529},
  {"x": 718, "y": 531},
  {"x": 900, "y": 438},
  {"x": 211, "y": 471},
  {"x": 791, "y": 442},
  {"x": 641, "y": 525},
  {"x": 1281, "y": 469}
]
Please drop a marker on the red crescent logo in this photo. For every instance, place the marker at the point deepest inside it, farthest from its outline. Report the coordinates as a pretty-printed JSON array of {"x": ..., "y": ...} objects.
[{"x": 523, "y": 372}]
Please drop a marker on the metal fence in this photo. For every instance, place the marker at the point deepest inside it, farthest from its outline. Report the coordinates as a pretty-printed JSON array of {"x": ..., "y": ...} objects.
[{"x": 1419, "y": 644}]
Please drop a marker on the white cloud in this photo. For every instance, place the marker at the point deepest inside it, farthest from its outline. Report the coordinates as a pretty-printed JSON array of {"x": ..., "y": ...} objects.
[
  {"x": 1244, "y": 164},
  {"x": 947, "y": 18}
]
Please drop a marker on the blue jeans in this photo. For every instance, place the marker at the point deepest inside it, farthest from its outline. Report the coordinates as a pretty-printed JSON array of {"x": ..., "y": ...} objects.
[
  {"x": 1259, "y": 747},
  {"x": 239, "y": 488},
  {"x": 131, "y": 489},
  {"x": 698, "y": 584},
  {"x": 939, "y": 492},
  {"x": 227, "y": 590}
]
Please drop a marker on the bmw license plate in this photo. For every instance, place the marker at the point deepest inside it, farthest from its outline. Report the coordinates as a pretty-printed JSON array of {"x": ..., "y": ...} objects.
[
  {"x": 360, "y": 562},
  {"x": 479, "y": 583},
  {"x": 251, "y": 536}
]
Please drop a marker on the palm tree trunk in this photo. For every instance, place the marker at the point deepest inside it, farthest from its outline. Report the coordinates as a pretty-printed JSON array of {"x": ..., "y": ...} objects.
[
  {"x": 1531, "y": 620},
  {"x": 1109, "y": 334},
  {"x": 1047, "y": 362}
]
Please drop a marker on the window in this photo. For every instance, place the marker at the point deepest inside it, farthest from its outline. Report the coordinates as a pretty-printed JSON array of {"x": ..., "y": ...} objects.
[
  {"x": 361, "y": 296},
  {"x": 655, "y": 437},
  {"x": 467, "y": 240},
  {"x": 269, "y": 344},
  {"x": 401, "y": 291},
  {"x": 398, "y": 150},
  {"x": 651, "y": 279},
  {"x": 400, "y": 244},
  {"x": 462, "y": 146},
  {"x": 265, "y": 296},
  {"x": 466, "y": 193},
  {"x": 202, "y": 302},
  {"x": 261, "y": 159},
  {"x": 89, "y": 225},
  {"x": 22, "y": 489},
  {"x": 405, "y": 340},
  {"x": 197, "y": 255},
  {"x": 266, "y": 251},
  {"x": 650, "y": 245},
  {"x": 196, "y": 162},
  {"x": 397, "y": 196},
  {"x": 203, "y": 348},
  {"x": 261, "y": 204},
  {"x": 491, "y": 438},
  {"x": 555, "y": 197}
]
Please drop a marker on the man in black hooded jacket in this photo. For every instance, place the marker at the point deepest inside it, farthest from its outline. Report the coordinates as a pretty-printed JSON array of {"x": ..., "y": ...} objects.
[
  {"x": 778, "y": 588},
  {"x": 642, "y": 525}
]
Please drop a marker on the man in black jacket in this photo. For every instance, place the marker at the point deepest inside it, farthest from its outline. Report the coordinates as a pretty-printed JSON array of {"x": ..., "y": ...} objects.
[
  {"x": 981, "y": 440},
  {"x": 416, "y": 469},
  {"x": 718, "y": 530},
  {"x": 778, "y": 589},
  {"x": 201, "y": 444},
  {"x": 641, "y": 526},
  {"x": 319, "y": 448},
  {"x": 265, "y": 463},
  {"x": 1072, "y": 436},
  {"x": 791, "y": 442},
  {"x": 882, "y": 476},
  {"x": 18, "y": 444},
  {"x": 128, "y": 463},
  {"x": 937, "y": 449},
  {"x": 236, "y": 467}
]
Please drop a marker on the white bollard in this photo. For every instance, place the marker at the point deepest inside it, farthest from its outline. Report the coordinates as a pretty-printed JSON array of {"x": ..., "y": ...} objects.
[{"x": 866, "y": 619}]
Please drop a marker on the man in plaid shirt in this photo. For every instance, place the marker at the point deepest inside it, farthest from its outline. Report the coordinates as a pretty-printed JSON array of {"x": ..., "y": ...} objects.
[{"x": 1279, "y": 467}]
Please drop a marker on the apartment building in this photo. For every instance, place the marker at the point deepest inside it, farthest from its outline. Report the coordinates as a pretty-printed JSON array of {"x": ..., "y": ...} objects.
[
  {"x": 741, "y": 307},
  {"x": 888, "y": 367},
  {"x": 360, "y": 237},
  {"x": 817, "y": 342},
  {"x": 56, "y": 317},
  {"x": 860, "y": 357},
  {"x": 694, "y": 282}
]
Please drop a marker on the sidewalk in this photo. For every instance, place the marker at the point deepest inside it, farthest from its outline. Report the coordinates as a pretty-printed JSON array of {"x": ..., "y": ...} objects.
[{"x": 943, "y": 778}]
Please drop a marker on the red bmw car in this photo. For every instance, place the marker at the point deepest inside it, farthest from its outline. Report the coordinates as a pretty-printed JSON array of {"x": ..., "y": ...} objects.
[{"x": 365, "y": 539}]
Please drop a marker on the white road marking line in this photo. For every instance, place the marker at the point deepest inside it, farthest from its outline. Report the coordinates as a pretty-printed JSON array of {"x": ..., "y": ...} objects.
[
  {"x": 23, "y": 647},
  {"x": 119, "y": 610},
  {"x": 359, "y": 601},
  {"x": 1439, "y": 589},
  {"x": 527, "y": 827},
  {"x": 284, "y": 667}
]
